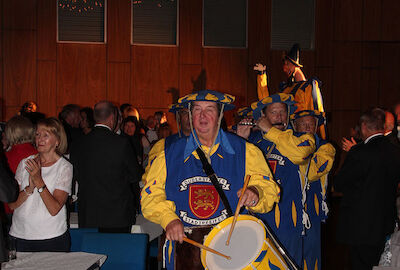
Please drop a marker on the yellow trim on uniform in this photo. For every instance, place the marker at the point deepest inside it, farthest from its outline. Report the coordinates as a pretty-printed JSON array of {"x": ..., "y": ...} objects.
[{"x": 294, "y": 214}]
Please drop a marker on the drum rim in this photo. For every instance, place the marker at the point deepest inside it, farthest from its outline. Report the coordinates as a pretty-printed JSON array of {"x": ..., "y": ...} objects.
[{"x": 222, "y": 225}]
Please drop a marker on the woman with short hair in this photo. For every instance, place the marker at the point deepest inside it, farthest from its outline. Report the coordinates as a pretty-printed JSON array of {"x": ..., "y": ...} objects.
[{"x": 39, "y": 220}]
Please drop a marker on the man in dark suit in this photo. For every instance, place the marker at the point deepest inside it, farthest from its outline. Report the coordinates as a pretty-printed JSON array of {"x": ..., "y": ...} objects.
[
  {"x": 368, "y": 181},
  {"x": 8, "y": 193},
  {"x": 104, "y": 166}
]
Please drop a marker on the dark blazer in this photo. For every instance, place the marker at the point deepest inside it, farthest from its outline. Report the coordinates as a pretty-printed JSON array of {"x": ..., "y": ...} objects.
[
  {"x": 104, "y": 166},
  {"x": 8, "y": 193},
  {"x": 368, "y": 180}
]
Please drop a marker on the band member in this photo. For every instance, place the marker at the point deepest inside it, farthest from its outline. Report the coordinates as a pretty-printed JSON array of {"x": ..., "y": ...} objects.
[
  {"x": 306, "y": 92},
  {"x": 314, "y": 180},
  {"x": 285, "y": 151},
  {"x": 180, "y": 196}
]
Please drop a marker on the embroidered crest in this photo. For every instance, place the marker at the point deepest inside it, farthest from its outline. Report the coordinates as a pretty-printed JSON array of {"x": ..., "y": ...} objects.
[{"x": 203, "y": 200}]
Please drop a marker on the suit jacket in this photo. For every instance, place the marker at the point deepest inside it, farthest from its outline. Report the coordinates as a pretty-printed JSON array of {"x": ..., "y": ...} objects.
[
  {"x": 104, "y": 166},
  {"x": 368, "y": 180},
  {"x": 8, "y": 193}
]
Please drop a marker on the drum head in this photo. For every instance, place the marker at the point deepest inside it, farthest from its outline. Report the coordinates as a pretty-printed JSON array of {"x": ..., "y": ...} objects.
[{"x": 244, "y": 247}]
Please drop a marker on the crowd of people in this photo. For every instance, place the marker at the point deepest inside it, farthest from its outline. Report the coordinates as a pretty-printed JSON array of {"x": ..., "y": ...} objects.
[
  {"x": 109, "y": 164},
  {"x": 95, "y": 154}
]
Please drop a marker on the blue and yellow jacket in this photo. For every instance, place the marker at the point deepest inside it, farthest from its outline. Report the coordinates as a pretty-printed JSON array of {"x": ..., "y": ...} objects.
[{"x": 177, "y": 188}]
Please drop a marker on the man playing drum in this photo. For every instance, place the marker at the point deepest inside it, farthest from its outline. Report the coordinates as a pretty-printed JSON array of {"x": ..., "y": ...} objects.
[{"x": 178, "y": 194}]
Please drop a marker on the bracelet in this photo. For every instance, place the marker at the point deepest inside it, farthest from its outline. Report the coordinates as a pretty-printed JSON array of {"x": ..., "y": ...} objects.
[{"x": 27, "y": 193}]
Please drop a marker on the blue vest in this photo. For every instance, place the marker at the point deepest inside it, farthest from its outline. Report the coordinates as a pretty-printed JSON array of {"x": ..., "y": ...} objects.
[
  {"x": 197, "y": 202},
  {"x": 286, "y": 218}
]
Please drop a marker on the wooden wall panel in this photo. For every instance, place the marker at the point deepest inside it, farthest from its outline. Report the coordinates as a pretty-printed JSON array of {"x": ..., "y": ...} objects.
[
  {"x": 389, "y": 84},
  {"x": 2, "y": 15},
  {"x": 369, "y": 88},
  {"x": 119, "y": 30},
  {"x": 372, "y": 19},
  {"x": 226, "y": 71},
  {"x": 47, "y": 87},
  {"x": 347, "y": 75},
  {"x": 371, "y": 54},
  {"x": 11, "y": 111},
  {"x": 259, "y": 27},
  {"x": 307, "y": 59},
  {"x": 324, "y": 32},
  {"x": 191, "y": 77},
  {"x": 47, "y": 30},
  {"x": 275, "y": 73},
  {"x": 19, "y": 15},
  {"x": 190, "y": 31},
  {"x": 118, "y": 82},
  {"x": 81, "y": 74},
  {"x": 1, "y": 29},
  {"x": 155, "y": 71},
  {"x": 348, "y": 20},
  {"x": 390, "y": 24},
  {"x": 252, "y": 86},
  {"x": 1, "y": 43},
  {"x": 2, "y": 103},
  {"x": 19, "y": 67}
]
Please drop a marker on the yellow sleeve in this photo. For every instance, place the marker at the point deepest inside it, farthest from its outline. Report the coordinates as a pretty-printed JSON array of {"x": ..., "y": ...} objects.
[
  {"x": 261, "y": 179},
  {"x": 296, "y": 149},
  {"x": 154, "y": 151},
  {"x": 321, "y": 162},
  {"x": 155, "y": 206},
  {"x": 262, "y": 86}
]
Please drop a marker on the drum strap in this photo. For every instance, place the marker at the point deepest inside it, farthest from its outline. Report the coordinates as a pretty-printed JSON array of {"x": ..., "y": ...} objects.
[{"x": 207, "y": 168}]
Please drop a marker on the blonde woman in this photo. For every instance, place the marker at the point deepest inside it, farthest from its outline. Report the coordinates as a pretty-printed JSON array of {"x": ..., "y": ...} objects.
[{"x": 39, "y": 220}]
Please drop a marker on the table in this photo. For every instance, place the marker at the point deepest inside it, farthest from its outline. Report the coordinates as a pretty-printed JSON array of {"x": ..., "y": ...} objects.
[
  {"x": 55, "y": 260},
  {"x": 142, "y": 226}
]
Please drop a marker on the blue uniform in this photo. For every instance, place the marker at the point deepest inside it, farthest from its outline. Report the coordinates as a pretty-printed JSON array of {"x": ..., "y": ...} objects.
[
  {"x": 286, "y": 219},
  {"x": 320, "y": 164}
]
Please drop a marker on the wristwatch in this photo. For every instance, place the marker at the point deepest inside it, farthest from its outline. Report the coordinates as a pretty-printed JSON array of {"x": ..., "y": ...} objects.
[{"x": 40, "y": 190}]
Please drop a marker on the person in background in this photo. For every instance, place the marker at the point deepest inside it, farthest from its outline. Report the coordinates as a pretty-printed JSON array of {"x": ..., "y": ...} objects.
[
  {"x": 285, "y": 151},
  {"x": 314, "y": 178},
  {"x": 164, "y": 131},
  {"x": 151, "y": 132},
  {"x": 19, "y": 133},
  {"x": 8, "y": 193},
  {"x": 390, "y": 128},
  {"x": 87, "y": 122},
  {"x": 39, "y": 222},
  {"x": 70, "y": 117},
  {"x": 28, "y": 107},
  {"x": 105, "y": 165},
  {"x": 368, "y": 181}
]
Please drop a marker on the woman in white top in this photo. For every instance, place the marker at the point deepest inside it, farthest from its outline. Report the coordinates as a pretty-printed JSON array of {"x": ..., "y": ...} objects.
[{"x": 39, "y": 222}]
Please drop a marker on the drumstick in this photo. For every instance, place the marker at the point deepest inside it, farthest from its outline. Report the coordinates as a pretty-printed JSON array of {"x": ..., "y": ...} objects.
[
  {"x": 194, "y": 243},
  {"x": 246, "y": 182}
]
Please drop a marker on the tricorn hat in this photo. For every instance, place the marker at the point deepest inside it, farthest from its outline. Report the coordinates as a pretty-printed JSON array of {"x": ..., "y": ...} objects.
[{"x": 294, "y": 55}]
